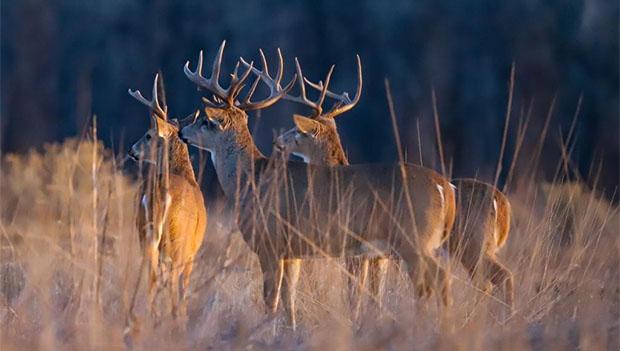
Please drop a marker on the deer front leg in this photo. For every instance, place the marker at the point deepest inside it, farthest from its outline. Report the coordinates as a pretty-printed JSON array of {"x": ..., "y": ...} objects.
[
  {"x": 356, "y": 289},
  {"x": 175, "y": 272},
  {"x": 273, "y": 273},
  {"x": 379, "y": 269},
  {"x": 153, "y": 259},
  {"x": 292, "y": 268},
  {"x": 187, "y": 273}
]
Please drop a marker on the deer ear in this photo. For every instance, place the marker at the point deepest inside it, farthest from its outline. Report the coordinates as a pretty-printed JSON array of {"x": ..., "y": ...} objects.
[
  {"x": 175, "y": 122},
  {"x": 161, "y": 126},
  {"x": 213, "y": 113},
  {"x": 306, "y": 125}
]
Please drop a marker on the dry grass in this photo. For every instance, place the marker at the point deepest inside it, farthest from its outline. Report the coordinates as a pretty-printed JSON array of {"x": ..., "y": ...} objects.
[{"x": 563, "y": 250}]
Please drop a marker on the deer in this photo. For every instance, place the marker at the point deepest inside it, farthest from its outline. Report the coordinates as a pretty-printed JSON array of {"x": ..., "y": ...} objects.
[
  {"x": 481, "y": 230},
  {"x": 482, "y": 213},
  {"x": 315, "y": 139},
  {"x": 172, "y": 215},
  {"x": 291, "y": 210}
]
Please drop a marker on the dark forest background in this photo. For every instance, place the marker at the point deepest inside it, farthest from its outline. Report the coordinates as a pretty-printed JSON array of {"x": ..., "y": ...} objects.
[{"x": 63, "y": 61}]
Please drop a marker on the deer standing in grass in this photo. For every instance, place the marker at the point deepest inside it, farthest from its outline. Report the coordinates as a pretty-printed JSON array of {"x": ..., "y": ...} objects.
[
  {"x": 481, "y": 229},
  {"x": 482, "y": 215},
  {"x": 316, "y": 140},
  {"x": 172, "y": 217},
  {"x": 291, "y": 210}
]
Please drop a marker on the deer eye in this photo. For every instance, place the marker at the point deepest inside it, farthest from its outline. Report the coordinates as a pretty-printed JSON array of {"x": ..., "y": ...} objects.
[
  {"x": 148, "y": 137},
  {"x": 208, "y": 123}
]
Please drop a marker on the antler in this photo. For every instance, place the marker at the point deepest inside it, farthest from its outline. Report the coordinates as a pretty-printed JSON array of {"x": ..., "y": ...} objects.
[
  {"x": 222, "y": 97},
  {"x": 344, "y": 103},
  {"x": 276, "y": 92},
  {"x": 317, "y": 105},
  {"x": 152, "y": 104}
]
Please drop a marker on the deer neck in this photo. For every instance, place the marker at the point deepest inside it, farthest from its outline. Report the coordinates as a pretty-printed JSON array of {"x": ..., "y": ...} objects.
[
  {"x": 234, "y": 159},
  {"x": 179, "y": 162},
  {"x": 335, "y": 153}
]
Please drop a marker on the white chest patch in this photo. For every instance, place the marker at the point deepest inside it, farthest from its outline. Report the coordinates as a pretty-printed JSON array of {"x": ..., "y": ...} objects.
[{"x": 302, "y": 156}]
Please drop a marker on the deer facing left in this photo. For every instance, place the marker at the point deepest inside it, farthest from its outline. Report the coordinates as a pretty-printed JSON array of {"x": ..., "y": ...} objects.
[{"x": 172, "y": 216}]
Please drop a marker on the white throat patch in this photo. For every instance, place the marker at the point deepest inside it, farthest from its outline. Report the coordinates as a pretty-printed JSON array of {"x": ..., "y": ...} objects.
[
  {"x": 302, "y": 156},
  {"x": 212, "y": 154}
]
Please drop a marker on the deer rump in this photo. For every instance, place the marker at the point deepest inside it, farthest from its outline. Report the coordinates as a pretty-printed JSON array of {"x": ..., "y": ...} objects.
[{"x": 290, "y": 209}]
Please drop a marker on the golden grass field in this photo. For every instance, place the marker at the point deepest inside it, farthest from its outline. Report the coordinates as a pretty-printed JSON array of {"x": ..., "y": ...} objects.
[{"x": 70, "y": 262}]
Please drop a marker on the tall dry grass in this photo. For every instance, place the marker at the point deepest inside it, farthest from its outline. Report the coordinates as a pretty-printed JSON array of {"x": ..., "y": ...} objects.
[{"x": 59, "y": 238}]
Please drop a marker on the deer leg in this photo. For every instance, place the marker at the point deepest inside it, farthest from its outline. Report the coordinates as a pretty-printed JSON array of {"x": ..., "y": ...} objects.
[
  {"x": 153, "y": 257},
  {"x": 273, "y": 272},
  {"x": 187, "y": 273},
  {"x": 416, "y": 268},
  {"x": 475, "y": 268},
  {"x": 499, "y": 275},
  {"x": 292, "y": 268},
  {"x": 379, "y": 271},
  {"x": 437, "y": 276},
  {"x": 175, "y": 272},
  {"x": 357, "y": 292},
  {"x": 352, "y": 269}
]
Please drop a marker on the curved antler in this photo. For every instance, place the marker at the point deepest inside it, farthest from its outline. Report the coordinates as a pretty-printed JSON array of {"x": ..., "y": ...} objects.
[
  {"x": 344, "y": 103},
  {"x": 223, "y": 97},
  {"x": 276, "y": 92},
  {"x": 317, "y": 105},
  {"x": 152, "y": 104}
]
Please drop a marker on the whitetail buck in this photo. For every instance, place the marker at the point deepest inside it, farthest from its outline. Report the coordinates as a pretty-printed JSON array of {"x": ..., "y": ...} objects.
[
  {"x": 482, "y": 215},
  {"x": 316, "y": 140},
  {"x": 291, "y": 210},
  {"x": 172, "y": 217}
]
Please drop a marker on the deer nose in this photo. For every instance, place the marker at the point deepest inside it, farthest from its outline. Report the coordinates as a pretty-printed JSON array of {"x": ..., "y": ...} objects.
[
  {"x": 132, "y": 154},
  {"x": 277, "y": 146},
  {"x": 182, "y": 137}
]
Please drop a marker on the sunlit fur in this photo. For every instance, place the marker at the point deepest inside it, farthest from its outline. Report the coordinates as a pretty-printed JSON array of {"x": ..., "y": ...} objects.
[
  {"x": 279, "y": 205},
  {"x": 186, "y": 219},
  {"x": 482, "y": 213},
  {"x": 317, "y": 141}
]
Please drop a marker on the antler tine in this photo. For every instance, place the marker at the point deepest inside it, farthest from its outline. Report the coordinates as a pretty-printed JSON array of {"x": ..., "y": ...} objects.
[
  {"x": 152, "y": 104},
  {"x": 263, "y": 61},
  {"x": 358, "y": 93},
  {"x": 302, "y": 87},
  {"x": 280, "y": 73},
  {"x": 238, "y": 83},
  {"x": 344, "y": 101},
  {"x": 212, "y": 84},
  {"x": 302, "y": 98},
  {"x": 342, "y": 98},
  {"x": 276, "y": 92},
  {"x": 154, "y": 93},
  {"x": 324, "y": 90},
  {"x": 217, "y": 63}
]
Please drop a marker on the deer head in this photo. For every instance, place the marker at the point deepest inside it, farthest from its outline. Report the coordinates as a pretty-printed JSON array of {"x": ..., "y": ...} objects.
[
  {"x": 225, "y": 116},
  {"x": 147, "y": 148},
  {"x": 315, "y": 138}
]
